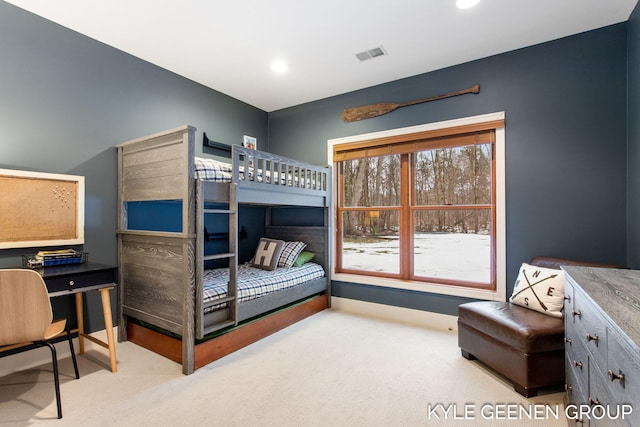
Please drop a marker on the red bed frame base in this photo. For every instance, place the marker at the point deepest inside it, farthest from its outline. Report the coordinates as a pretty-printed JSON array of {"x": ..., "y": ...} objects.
[{"x": 220, "y": 346}]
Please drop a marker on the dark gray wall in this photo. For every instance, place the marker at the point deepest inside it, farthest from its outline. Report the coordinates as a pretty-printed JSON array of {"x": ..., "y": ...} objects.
[
  {"x": 633, "y": 160},
  {"x": 67, "y": 100},
  {"x": 565, "y": 105}
]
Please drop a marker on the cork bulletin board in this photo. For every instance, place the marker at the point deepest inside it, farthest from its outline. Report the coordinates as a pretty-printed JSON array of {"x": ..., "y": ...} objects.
[{"x": 40, "y": 209}]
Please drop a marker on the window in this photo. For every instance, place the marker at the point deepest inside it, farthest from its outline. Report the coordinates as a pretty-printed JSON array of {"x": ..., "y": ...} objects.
[{"x": 420, "y": 207}]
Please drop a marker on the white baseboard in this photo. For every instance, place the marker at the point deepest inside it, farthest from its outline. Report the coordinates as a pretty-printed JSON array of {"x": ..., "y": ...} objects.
[
  {"x": 40, "y": 356},
  {"x": 427, "y": 319}
]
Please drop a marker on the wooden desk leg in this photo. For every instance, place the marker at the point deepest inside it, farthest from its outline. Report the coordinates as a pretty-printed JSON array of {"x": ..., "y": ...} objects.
[
  {"x": 108, "y": 324},
  {"x": 80, "y": 320}
]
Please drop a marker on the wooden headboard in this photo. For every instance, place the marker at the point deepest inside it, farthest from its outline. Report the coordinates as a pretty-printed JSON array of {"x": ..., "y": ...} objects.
[{"x": 315, "y": 238}]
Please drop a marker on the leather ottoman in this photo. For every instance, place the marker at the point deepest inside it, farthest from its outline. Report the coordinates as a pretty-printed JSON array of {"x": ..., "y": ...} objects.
[{"x": 524, "y": 345}]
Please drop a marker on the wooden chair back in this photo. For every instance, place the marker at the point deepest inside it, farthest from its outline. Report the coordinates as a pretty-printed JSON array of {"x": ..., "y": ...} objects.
[{"x": 25, "y": 308}]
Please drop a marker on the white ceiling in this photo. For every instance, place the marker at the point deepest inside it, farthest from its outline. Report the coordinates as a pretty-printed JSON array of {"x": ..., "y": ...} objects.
[{"x": 229, "y": 45}]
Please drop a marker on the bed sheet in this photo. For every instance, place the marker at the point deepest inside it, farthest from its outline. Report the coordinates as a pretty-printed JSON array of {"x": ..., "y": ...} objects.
[
  {"x": 216, "y": 171},
  {"x": 212, "y": 170},
  {"x": 254, "y": 282}
]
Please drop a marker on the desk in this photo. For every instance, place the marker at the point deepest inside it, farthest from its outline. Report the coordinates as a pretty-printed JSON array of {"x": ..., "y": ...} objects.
[{"x": 79, "y": 278}]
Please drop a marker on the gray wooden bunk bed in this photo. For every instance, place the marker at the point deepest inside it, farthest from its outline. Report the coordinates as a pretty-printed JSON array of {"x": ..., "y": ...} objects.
[{"x": 161, "y": 304}]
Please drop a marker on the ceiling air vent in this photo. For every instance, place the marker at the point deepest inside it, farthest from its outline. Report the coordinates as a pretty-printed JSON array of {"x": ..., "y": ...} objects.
[{"x": 371, "y": 53}]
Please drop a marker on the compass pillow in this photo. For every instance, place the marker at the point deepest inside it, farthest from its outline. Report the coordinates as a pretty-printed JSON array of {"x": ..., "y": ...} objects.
[{"x": 540, "y": 289}]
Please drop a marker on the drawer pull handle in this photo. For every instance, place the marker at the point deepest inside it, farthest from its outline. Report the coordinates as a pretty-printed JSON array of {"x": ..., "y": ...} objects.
[
  {"x": 567, "y": 341},
  {"x": 576, "y": 313},
  {"x": 577, "y": 364},
  {"x": 618, "y": 376},
  {"x": 567, "y": 387},
  {"x": 592, "y": 338},
  {"x": 593, "y": 402},
  {"x": 567, "y": 297},
  {"x": 71, "y": 283}
]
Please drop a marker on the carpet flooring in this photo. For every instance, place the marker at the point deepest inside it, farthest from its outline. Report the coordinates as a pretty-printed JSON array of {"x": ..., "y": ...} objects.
[{"x": 332, "y": 369}]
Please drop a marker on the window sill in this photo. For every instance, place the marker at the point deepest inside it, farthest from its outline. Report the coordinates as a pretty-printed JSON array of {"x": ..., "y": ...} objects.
[{"x": 458, "y": 291}]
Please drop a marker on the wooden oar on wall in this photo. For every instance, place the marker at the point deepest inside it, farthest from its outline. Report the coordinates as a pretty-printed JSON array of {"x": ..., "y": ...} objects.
[{"x": 375, "y": 110}]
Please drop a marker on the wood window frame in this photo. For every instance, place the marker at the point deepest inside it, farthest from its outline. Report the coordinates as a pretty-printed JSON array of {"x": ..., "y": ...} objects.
[{"x": 400, "y": 140}]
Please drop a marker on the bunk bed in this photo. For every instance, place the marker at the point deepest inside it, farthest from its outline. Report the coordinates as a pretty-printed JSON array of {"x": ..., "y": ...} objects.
[{"x": 165, "y": 304}]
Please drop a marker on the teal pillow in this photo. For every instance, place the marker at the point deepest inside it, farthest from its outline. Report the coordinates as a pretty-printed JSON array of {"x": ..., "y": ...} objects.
[{"x": 303, "y": 258}]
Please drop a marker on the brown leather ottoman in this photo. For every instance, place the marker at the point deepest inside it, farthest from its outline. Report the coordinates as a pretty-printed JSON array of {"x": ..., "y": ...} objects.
[{"x": 524, "y": 345}]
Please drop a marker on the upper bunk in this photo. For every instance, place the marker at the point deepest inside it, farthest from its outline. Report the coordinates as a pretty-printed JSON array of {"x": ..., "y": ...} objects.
[{"x": 162, "y": 166}]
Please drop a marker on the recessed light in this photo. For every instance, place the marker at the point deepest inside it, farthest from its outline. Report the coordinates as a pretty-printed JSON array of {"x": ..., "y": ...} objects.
[
  {"x": 466, "y": 4},
  {"x": 279, "y": 67}
]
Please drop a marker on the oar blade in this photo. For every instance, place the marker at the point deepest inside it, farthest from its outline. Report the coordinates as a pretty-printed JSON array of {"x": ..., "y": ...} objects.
[{"x": 368, "y": 111}]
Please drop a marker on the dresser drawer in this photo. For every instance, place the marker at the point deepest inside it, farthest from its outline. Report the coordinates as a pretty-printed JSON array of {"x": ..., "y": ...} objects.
[
  {"x": 80, "y": 280},
  {"x": 568, "y": 303},
  {"x": 611, "y": 412},
  {"x": 590, "y": 327},
  {"x": 576, "y": 383},
  {"x": 577, "y": 358},
  {"x": 598, "y": 391},
  {"x": 622, "y": 374},
  {"x": 599, "y": 402}
]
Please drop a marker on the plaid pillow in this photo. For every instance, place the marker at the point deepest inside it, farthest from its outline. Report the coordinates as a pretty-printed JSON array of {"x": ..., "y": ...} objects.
[
  {"x": 212, "y": 170},
  {"x": 290, "y": 252}
]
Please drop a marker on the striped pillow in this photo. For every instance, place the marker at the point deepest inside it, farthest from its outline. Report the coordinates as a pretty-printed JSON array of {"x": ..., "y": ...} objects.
[{"x": 290, "y": 252}]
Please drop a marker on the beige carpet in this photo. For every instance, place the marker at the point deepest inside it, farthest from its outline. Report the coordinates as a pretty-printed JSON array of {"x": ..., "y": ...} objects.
[{"x": 333, "y": 369}]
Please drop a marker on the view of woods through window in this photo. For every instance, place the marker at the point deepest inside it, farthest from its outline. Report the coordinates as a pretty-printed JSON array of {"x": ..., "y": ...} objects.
[{"x": 424, "y": 215}]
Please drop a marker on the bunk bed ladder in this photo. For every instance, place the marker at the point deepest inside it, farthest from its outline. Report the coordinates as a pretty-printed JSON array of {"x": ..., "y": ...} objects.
[{"x": 232, "y": 255}]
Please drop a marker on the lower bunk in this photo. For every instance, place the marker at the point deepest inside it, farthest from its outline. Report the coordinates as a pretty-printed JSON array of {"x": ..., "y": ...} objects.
[
  {"x": 225, "y": 342},
  {"x": 263, "y": 302},
  {"x": 191, "y": 311}
]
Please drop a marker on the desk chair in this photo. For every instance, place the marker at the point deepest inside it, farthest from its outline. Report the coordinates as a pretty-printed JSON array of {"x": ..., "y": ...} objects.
[{"x": 26, "y": 318}]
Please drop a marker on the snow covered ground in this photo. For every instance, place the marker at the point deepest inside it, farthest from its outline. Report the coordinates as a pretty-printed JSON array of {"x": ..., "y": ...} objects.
[{"x": 448, "y": 255}]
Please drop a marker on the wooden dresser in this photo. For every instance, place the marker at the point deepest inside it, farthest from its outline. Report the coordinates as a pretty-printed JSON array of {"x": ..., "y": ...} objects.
[{"x": 602, "y": 335}]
